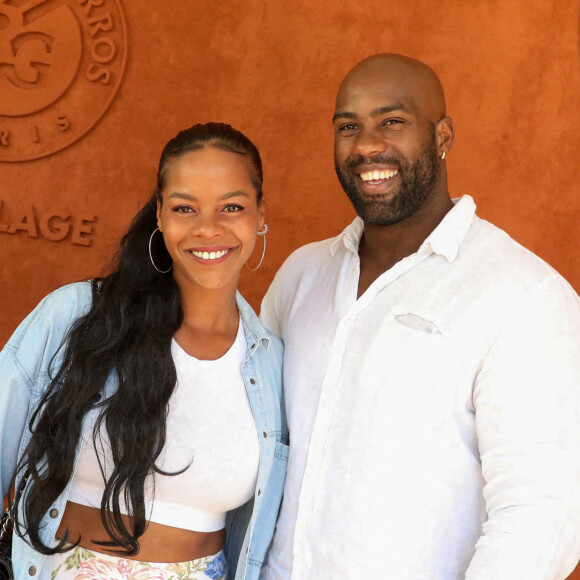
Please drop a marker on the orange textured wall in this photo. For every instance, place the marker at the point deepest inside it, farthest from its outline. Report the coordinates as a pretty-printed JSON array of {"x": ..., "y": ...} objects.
[{"x": 270, "y": 68}]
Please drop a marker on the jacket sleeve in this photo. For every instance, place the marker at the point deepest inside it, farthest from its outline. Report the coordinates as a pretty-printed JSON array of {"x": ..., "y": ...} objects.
[
  {"x": 24, "y": 367},
  {"x": 526, "y": 400},
  {"x": 17, "y": 383}
]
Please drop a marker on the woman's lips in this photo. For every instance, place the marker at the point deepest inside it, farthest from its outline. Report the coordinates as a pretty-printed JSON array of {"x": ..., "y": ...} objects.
[{"x": 213, "y": 255}]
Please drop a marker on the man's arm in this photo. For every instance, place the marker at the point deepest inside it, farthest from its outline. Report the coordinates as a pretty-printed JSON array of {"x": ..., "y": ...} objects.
[
  {"x": 526, "y": 398},
  {"x": 268, "y": 313}
]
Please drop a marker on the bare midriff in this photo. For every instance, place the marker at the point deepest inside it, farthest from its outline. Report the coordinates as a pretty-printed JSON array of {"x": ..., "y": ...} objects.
[{"x": 159, "y": 543}]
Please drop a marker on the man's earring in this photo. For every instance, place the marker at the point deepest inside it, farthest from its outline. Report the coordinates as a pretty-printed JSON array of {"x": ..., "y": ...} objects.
[{"x": 443, "y": 156}]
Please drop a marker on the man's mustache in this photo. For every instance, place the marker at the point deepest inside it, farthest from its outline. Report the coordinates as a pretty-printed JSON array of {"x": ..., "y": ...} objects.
[{"x": 357, "y": 160}]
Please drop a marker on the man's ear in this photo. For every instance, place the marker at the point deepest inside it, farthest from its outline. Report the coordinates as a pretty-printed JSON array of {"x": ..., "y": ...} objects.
[{"x": 444, "y": 134}]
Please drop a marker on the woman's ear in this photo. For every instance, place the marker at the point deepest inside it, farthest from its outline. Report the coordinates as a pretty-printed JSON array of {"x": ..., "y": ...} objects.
[
  {"x": 261, "y": 214},
  {"x": 159, "y": 213}
]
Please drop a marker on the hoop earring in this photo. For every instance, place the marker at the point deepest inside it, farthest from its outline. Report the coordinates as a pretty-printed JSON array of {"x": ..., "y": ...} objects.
[
  {"x": 151, "y": 254},
  {"x": 443, "y": 156},
  {"x": 263, "y": 232}
]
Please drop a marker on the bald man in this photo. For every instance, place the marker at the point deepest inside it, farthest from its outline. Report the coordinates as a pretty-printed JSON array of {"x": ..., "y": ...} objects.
[{"x": 432, "y": 368}]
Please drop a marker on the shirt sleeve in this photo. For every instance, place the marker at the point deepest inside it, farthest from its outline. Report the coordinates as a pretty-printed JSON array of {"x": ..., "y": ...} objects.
[
  {"x": 268, "y": 310},
  {"x": 526, "y": 400}
]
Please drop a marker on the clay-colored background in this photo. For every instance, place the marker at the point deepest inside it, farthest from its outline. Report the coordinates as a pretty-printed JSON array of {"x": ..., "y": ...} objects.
[{"x": 270, "y": 68}]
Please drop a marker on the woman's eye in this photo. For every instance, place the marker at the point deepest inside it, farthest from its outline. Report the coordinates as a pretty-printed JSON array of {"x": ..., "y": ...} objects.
[
  {"x": 183, "y": 209},
  {"x": 232, "y": 207}
]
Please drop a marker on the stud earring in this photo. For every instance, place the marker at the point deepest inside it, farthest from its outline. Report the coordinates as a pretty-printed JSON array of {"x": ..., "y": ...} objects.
[
  {"x": 443, "y": 156},
  {"x": 261, "y": 232}
]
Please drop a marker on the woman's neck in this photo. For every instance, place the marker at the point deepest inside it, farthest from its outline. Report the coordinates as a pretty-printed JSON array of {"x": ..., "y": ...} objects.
[{"x": 210, "y": 322}]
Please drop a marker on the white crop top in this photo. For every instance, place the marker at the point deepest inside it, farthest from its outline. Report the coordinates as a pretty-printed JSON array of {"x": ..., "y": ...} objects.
[{"x": 209, "y": 425}]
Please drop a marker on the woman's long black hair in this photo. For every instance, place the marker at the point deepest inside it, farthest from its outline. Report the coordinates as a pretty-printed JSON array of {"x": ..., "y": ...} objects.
[{"x": 135, "y": 312}]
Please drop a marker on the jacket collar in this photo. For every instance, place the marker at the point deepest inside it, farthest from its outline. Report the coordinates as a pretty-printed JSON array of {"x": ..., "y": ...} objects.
[{"x": 256, "y": 334}]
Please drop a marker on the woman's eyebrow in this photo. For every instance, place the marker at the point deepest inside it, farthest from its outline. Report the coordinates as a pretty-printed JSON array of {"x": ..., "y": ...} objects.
[{"x": 189, "y": 197}]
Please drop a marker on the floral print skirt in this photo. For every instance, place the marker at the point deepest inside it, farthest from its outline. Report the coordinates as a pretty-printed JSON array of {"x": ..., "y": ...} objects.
[{"x": 83, "y": 564}]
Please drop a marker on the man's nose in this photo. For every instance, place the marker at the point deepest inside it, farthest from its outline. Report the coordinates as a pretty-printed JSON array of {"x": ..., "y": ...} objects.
[{"x": 370, "y": 142}]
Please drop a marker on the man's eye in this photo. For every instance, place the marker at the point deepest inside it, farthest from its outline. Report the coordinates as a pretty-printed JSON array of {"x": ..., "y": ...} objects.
[
  {"x": 348, "y": 127},
  {"x": 232, "y": 207},
  {"x": 392, "y": 121}
]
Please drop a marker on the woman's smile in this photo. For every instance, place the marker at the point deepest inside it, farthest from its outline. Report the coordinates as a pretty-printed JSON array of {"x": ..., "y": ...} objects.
[{"x": 210, "y": 255}]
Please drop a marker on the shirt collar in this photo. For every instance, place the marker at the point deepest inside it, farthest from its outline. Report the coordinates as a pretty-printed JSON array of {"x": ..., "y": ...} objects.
[
  {"x": 349, "y": 237},
  {"x": 445, "y": 239}
]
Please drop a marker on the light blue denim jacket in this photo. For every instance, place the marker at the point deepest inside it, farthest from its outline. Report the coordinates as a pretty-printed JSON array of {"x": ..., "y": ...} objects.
[{"x": 24, "y": 376}]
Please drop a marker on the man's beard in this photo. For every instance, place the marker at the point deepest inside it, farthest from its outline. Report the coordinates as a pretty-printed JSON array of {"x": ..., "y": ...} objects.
[{"x": 417, "y": 184}]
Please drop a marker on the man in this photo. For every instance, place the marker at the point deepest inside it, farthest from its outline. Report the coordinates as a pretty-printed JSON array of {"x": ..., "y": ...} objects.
[{"x": 432, "y": 368}]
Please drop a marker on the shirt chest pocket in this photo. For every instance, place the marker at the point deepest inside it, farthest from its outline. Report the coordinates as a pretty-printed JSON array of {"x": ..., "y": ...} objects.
[{"x": 415, "y": 360}]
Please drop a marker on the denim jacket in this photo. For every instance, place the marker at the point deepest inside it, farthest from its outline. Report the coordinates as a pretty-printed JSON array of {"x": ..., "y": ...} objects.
[{"x": 24, "y": 376}]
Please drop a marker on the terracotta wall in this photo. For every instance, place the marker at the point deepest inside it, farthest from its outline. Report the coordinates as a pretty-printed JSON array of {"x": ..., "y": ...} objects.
[{"x": 140, "y": 71}]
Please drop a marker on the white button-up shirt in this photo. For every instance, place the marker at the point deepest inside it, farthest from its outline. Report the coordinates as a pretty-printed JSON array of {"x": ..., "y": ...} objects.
[{"x": 434, "y": 421}]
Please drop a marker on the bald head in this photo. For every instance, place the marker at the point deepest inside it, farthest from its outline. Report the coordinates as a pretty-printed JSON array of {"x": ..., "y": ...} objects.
[
  {"x": 407, "y": 80},
  {"x": 391, "y": 137}
]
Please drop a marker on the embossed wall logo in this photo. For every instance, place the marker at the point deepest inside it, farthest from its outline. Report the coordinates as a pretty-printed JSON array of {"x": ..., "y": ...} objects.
[{"x": 61, "y": 65}]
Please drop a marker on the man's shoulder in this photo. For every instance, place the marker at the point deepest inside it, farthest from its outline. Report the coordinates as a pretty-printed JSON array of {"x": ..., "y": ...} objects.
[
  {"x": 307, "y": 257},
  {"x": 295, "y": 278},
  {"x": 494, "y": 252}
]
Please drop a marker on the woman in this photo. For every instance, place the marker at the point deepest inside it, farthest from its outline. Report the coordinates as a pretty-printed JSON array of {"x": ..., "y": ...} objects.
[{"x": 138, "y": 448}]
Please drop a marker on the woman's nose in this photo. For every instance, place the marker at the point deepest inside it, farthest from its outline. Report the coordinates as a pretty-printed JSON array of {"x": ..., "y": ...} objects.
[{"x": 206, "y": 226}]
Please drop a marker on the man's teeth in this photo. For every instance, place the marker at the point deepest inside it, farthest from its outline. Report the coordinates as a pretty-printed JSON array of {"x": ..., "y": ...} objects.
[
  {"x": 376, "y": 174},
  {"x": 209, "y": 255}
]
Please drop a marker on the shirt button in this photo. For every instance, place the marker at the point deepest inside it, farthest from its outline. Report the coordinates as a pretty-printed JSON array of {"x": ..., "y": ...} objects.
[
  {"x": 32, "y": 570},
  {"x": 253, "y": 381},
  {"x": 265, "y": 434},
  {"x": 53, "y": 513},
  {"x": 259, "y": 492}
]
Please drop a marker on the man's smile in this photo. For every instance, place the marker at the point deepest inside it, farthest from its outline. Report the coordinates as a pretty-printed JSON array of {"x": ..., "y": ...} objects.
[
  {"x": 378, "y": 175},
  {"x": 375, "y": 180}
]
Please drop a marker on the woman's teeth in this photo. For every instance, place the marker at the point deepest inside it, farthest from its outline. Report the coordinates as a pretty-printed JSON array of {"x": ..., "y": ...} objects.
[
  {"x": 210, "y": 255},
  {"x": 376, "y": 175}
]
